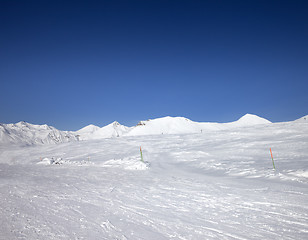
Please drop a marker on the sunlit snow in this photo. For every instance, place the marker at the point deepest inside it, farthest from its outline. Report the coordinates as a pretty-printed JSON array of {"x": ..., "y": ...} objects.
[{"x": 197, "y": 181}]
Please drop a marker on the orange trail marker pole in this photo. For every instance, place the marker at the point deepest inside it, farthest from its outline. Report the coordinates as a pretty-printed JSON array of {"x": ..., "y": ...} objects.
[{"x": 272, "y": 158}]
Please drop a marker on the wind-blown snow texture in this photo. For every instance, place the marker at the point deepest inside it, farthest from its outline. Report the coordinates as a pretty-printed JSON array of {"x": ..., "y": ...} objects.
[{"x": 215, "y": 184}]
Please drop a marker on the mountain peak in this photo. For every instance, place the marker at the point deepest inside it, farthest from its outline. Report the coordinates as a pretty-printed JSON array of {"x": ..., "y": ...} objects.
[
  {"x": 88, "y": 129},
  {"x": 251, "y": 119},
  {"x": 302, "y": 119},
  {"x": 115, "y": 124}
]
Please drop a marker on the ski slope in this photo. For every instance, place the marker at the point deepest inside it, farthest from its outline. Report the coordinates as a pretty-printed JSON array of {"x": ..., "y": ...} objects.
[{"x": 215, "y": 184}]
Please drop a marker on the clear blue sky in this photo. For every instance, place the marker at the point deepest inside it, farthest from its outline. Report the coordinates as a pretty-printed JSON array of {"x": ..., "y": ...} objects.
[{"x": 72, "y": 63}]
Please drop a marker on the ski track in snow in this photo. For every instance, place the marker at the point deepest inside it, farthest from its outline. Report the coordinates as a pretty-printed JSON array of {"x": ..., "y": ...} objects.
[{"x": 214, "y": 185}]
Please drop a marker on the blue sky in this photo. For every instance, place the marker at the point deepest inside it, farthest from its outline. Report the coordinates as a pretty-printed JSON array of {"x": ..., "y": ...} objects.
[{"x": 74, "y": 63}]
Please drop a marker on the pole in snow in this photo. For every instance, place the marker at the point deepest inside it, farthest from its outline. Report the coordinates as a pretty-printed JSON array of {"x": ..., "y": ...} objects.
[
  {"x": 141, "y": 154},
  {"x": 272, "y": 158}
]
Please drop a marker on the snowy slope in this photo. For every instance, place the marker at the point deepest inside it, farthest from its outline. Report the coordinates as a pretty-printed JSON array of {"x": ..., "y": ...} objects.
[
  {"x": 26, "y": 133},
  {"x": 302, "y": 119},
  {"x": 180, "y": 125},
  {"x": 165, "y": 125},
  {"x": 220, "y": 185},
  {"x": 90, "y": 129}
]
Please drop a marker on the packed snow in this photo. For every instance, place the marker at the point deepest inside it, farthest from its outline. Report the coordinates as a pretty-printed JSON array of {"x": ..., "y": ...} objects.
[{"x": 194, "y": 181}]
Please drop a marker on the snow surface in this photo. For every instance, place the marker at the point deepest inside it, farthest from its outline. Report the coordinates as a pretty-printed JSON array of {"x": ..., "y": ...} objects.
[{"x": 218, "y": 184}]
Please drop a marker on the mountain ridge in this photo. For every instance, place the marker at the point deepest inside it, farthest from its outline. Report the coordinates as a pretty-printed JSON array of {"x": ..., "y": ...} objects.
[{"x": 29, "y": 134}]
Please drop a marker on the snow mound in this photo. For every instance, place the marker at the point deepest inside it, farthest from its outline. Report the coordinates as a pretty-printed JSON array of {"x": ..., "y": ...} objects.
[
  {"x": 300, "y": 173},
  {"x": 129, "y": 163},
  {"x": 47, "y": 161},
  {"x": 60, "y": 161}
]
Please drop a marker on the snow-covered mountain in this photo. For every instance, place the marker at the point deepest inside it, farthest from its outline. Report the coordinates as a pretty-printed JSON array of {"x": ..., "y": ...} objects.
[
  {"x": 179, "y": 125},
  {"x": 90, "y": 129},
  {"x": 250, "y": 119},
  {"x": 164, "y": 125},
  {"x": 114, "y": 129},
  {"x": 302, "y": 119},
  {"x": 26, "y": 133}
]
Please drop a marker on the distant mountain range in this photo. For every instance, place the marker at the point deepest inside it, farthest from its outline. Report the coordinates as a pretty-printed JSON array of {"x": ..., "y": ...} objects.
[
  {"x": 29, "y": 134},
  {"x": 26, "y": 133}
]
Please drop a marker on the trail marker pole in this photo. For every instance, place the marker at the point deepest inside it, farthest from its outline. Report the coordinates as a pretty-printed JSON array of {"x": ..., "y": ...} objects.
[
  {"x": 141, "y": 154},
  {"x": 272, "y": 158}
]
